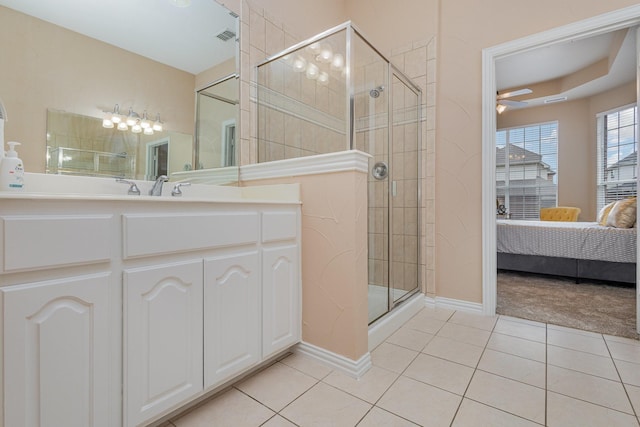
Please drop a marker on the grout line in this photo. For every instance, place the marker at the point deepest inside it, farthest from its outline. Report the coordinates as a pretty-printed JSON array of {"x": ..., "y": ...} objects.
[{"x": 546, "y": 376}]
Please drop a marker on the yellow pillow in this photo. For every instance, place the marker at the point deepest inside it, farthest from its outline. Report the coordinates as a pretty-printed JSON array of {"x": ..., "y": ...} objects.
[
  {"x": 623, "y": 213},
  {"x": 604, "y": 213}
]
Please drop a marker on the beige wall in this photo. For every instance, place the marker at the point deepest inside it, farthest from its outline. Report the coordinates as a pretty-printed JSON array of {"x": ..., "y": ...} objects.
[
  {"x": 576, "y": 142},
  {"x": 334, "y": 260},
  {"x": 45, "y": 66}
]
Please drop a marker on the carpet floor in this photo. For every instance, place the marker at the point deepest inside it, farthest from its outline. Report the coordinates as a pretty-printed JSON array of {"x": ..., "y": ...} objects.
[{"x": 600, "y": 307}]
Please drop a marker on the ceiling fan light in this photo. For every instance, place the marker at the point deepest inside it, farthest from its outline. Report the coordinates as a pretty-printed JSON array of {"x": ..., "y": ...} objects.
[{"x": 501, "y": 108}]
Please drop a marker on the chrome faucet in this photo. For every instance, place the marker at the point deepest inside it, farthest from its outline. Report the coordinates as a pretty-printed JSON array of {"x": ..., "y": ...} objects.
[{"x": 156, "y": 190}]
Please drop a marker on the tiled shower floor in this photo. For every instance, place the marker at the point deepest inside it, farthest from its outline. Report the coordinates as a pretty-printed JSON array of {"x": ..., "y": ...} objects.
[{"x": 446, "y": 368}]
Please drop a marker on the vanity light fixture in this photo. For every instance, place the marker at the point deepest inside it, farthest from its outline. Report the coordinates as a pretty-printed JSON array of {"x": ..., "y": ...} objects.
[{"x": 132, "y": 121}]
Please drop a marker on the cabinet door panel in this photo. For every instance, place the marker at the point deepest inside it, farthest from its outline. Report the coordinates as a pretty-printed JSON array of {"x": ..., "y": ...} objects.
[
  {"x": 231, "y": 315},
  {"x": 281, "y": 299},
  {"x": 56, "y": 352},
  {"x": 163, "y": 337}
]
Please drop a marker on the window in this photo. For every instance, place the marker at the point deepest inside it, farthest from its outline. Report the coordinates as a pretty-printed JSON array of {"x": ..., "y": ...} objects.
[
  {"x": 617, "y": 154},
  {"x": 527, "y": 169}
]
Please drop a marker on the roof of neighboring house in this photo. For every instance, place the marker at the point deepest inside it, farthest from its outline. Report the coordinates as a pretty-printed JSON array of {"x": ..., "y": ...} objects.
[
  {"x": 630, "y": 160},
  {"x": 517, "y": 154}
]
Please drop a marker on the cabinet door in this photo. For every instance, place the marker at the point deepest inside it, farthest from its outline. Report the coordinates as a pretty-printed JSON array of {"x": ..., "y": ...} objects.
[
  {"x": 231, "y": 315},
  {"x": 56, "y": 353},
  {"x": 163, "y": 338},
  {"x": 281, "y": 299}
]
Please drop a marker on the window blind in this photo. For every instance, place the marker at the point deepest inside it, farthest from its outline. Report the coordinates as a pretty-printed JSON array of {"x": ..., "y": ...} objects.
[
  {"x": 617, "y": 157},
  {"x": 527, "y": 169}
]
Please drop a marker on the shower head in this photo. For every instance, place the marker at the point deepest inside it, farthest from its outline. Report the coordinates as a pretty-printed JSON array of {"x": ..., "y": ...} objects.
[{"x": 375, "y": 92}]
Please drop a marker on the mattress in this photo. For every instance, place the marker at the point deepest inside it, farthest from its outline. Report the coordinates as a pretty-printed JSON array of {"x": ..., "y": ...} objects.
[{"x": 579, "y": 240}]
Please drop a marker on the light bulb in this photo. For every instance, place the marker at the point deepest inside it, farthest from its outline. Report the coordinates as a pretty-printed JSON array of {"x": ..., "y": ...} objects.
[
  {"x": 299, "y": 64},
  {"x": 314, "y": 48},
  {"x": 106, "y": 123},
  {"x": 136, "y": 128},
  {"x": 132, "y": 117},
  {"x": 145, "y": 122},
  {"x": 116, "y": 117},
  {"x": 157, "y": 125},
  {"x": 326, "y": 54},
  {"x": 337, "y": 62},
  {"x": 323, "y": 78},
  {"x": 312, "y": 71},
  {"x": 148, "y": 131},
  {"x": 122, "y": 126}
]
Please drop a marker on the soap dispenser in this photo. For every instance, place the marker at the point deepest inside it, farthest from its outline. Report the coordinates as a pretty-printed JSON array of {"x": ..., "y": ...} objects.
[{"x": 11, "y": 170}]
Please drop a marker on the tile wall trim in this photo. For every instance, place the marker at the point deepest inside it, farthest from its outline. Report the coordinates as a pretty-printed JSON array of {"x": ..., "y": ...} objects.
[
  {"x": 353, "y": 368},
  {"x": 310, "y": 165}
]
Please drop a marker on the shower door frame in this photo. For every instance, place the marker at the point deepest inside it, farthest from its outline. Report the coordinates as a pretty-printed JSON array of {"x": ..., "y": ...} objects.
[{"x": 394, "y": 71}]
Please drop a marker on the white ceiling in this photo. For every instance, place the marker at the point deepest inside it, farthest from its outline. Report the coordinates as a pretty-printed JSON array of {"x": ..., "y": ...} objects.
[
  {"x": 562, "y": 59},
  {"x": 184, "y": 38}
]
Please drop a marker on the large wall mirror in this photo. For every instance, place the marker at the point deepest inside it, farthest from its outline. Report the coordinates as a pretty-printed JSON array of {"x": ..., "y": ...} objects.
[{"x": 73, "y": 69}]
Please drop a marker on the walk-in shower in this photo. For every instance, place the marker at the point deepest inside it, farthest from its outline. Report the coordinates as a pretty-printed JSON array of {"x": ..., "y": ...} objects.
[{"x": 336, "y": 92}]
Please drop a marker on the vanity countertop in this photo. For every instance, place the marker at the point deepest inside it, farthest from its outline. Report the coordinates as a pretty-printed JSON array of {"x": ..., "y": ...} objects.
[{"x": 62, "y": 187}]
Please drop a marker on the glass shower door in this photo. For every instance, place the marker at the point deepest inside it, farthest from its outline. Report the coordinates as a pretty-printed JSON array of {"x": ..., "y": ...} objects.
[{"x": 404, "y": 189}]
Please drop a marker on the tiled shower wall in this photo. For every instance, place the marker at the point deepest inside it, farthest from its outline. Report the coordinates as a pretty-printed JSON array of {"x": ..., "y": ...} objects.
[{"x": 263, "y": 35}]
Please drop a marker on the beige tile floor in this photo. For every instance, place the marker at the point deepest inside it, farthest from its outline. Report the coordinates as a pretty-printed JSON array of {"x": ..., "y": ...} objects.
[{"x": 446, "y": 368}]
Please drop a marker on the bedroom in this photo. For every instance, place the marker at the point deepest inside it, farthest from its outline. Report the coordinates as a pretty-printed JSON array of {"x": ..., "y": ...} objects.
[{"x": 597, "y": 76}]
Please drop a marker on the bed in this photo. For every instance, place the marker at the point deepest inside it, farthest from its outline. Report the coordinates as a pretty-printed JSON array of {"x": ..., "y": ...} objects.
[{"x": 581, "y": 250}]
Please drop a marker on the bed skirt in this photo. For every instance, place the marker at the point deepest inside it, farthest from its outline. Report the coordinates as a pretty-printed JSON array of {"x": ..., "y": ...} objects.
[{"x": 624, "y": 272}]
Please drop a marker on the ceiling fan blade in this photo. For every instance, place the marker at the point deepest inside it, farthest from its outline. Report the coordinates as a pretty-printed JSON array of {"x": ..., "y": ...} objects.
[
  {"x": 513, "y": 93},
  {"x": 513, "y": 104}
]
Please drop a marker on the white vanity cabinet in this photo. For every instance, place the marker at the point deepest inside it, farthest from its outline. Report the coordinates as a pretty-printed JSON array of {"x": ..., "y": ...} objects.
[
  {"x": 163, "y": 337},
  {"x": 119, "y": 312},
  {"x": 56, "y": 352},
  {"x": 281, "y": 282},
  {"x": 232, "y": 298}
]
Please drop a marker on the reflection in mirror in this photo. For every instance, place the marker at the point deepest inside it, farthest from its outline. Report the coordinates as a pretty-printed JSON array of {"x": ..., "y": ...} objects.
[
  {"x": 216, "y": 113},
  {"x": 68, "y": 56},
  {"x": 80, "y": 145}
]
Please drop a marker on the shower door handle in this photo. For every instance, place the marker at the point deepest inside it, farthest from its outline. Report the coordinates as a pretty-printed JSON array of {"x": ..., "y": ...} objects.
[{"x": 380, "y": 170}]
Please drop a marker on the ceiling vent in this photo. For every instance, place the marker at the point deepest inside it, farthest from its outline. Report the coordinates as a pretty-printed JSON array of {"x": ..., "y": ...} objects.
[
  {"x": 226, "y": 34},
  {"x": 556, "y": 99}
]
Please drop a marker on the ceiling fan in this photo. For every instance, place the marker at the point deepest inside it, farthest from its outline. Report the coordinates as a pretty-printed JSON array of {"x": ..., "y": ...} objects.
[{"x": 502, "y": 102}]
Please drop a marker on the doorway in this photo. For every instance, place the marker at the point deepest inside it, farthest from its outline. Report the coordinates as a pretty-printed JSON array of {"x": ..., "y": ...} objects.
[
  {"x": 157, "y": 159},
  {"x": 613, "y": 21}
]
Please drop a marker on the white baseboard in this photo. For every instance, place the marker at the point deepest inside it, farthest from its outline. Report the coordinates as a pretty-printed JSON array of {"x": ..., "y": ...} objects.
[
  {"x": 353, "y": 368},
  {"x": 453, "y": 304},
  {"x": 383, "y": 328}
]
